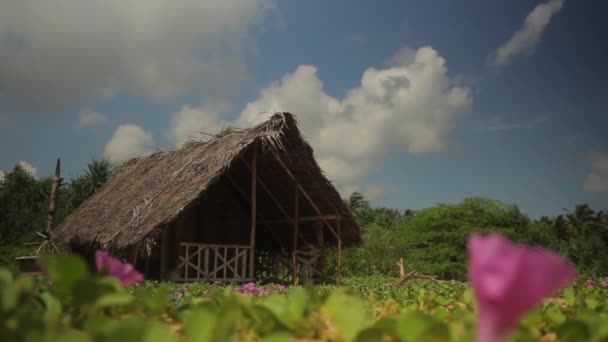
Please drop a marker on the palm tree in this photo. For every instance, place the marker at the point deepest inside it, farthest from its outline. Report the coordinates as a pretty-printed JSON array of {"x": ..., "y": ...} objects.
[
  {"x": 97, "y": 173},
  {"x": 356, "y": 202},
  {"x": 581, "y": 218}
]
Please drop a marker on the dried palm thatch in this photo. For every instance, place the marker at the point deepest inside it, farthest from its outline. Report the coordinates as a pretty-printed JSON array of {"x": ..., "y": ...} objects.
[{"x": 146, "y": 195}]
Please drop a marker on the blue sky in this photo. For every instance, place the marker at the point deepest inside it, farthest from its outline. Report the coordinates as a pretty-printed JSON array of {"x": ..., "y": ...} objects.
[{"x": 411, "y": 102}]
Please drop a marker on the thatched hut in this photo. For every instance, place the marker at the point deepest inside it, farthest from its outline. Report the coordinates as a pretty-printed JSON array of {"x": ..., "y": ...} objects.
[{"x": 246, "y": 204}]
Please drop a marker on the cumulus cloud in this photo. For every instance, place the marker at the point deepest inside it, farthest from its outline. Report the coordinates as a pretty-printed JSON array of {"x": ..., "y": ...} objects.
[
  {"x": 409, "y": 105},
  {"x": 27, "y": 167},
  {"x": 597, "y": 180},
  {"x": 527, "y": 37},
  {"x": 89, "y": 117},
  {"x": 67, "y": 52},
  {"x": 193, "y": 122},
  {"x": 129, "y": 141}
]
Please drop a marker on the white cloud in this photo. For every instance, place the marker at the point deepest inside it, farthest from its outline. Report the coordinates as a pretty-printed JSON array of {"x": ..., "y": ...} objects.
[
  {"x": 409, "y": 106},
  {"x": 27, "y": 167},
  {"x": 501, "y": 124},
  {"x": 89, "y": 117},
  {"x": 129, "y": 141},
  {"x": 597, "y": 180},
  {"x": 526, "y": 38},
  {"x": 193, "y": 122},
  {"x": 67, "y": 52}
]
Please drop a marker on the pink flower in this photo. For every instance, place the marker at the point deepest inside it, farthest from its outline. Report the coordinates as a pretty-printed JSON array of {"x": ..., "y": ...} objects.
[
  {"x": 509, "y": 279},
  {"x": 605, "y": 282},
  {"x": 591, "y": 283},
  {"x": 125, "y": 272},
  {"x": 177, "y": 294}
]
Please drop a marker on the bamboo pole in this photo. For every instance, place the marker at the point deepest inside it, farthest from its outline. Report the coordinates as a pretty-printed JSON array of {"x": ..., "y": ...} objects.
[{"x": 253, "y": 209}]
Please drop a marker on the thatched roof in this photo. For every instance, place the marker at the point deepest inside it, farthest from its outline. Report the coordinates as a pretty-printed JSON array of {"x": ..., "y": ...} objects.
[{"x": 145, "y": 195}]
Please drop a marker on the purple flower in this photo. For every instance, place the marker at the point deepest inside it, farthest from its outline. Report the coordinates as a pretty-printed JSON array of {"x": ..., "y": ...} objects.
[
  {"x": 205, "y": 292},
  {"x": 605, "y": 282},
  {"x": 125, "y": 272},
  {"x": 509, "y": 279},
  {"x": 591, "y": 283},
  {"x": 177, "y": 295}
]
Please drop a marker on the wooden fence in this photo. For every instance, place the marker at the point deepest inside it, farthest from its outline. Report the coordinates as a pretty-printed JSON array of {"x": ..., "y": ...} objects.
[{"x": 208, "y": 262}]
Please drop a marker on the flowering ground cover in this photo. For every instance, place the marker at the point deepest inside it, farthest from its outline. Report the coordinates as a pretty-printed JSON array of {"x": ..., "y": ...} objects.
[{"x": 502, "y": 302}]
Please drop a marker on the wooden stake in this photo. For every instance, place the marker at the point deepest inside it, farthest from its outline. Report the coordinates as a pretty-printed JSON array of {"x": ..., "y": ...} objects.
[
  {"x": 164, "y": 244},
  {"x": 47, "y": 244},
  {"x": 318, "y": 226},
  {"x": 253, "y": 209},
  {"x": 296, "y": 227},
  {"x": 339, "y": 275},
  {"x": 54, "y": 187}
]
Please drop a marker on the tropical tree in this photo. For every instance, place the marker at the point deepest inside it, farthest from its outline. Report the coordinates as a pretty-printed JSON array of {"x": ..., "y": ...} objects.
[{"x": 581, "y": 218}]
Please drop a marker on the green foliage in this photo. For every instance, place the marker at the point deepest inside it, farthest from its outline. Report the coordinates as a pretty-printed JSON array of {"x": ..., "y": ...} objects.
[
  {"x": 433, "y": 240},
  {"x": 24, "y": 203},
  {"x": 74, "y": 305}
]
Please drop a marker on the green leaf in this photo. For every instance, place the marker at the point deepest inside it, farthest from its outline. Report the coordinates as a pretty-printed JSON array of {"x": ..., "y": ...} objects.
[
  {"x": 288, "y": 308},
  {"x": 278, "y": 337},
  {"x": 158, "y": 333},
  {"x": 65, "y": 271},
  {"x": 348, "y": 313},
  {"x": 573, "y": 331},
  {"x": 418, "y": 326},
  {"x": 556, "y": 315},
  {"x": 8, "y": 291},
  {"x": 114, "y": 299},
  {"x": 569, "y": 296},
  {"x": 199, "y": 324},
  {"x": 89, "y": 290},
  {"x": 52, "y": 305}
]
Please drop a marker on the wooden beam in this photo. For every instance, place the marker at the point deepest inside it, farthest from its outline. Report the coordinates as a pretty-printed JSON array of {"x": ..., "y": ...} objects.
[
  {"x": 268, "y": 192},
  {"x": 296, "y": 222},
  {"x": 243, "y": 195},
  {"x": 253, "y": 209},
  {"x": 301, "y": 219},
  {"x": 312, "y": 204}
]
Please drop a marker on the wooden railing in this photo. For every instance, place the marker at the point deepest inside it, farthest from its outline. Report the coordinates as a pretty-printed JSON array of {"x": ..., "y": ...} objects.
[{"x": 207, "y": 262}]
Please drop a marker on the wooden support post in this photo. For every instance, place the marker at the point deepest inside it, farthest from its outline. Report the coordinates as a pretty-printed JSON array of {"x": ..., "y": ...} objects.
[
  {"x": 247, "y": 201},
  {"x": 253, "y": 210},
  {"x": 296, "y": 227},
  {"x": 164, "y": 244},
  {"x": 318, "y": 227},
  {"x": 310, "y": 201},
  {"x": 339, "y": 275}
]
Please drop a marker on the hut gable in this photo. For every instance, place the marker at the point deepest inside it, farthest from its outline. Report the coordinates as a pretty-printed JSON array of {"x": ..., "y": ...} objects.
[{"x": 146, "y": 195}]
